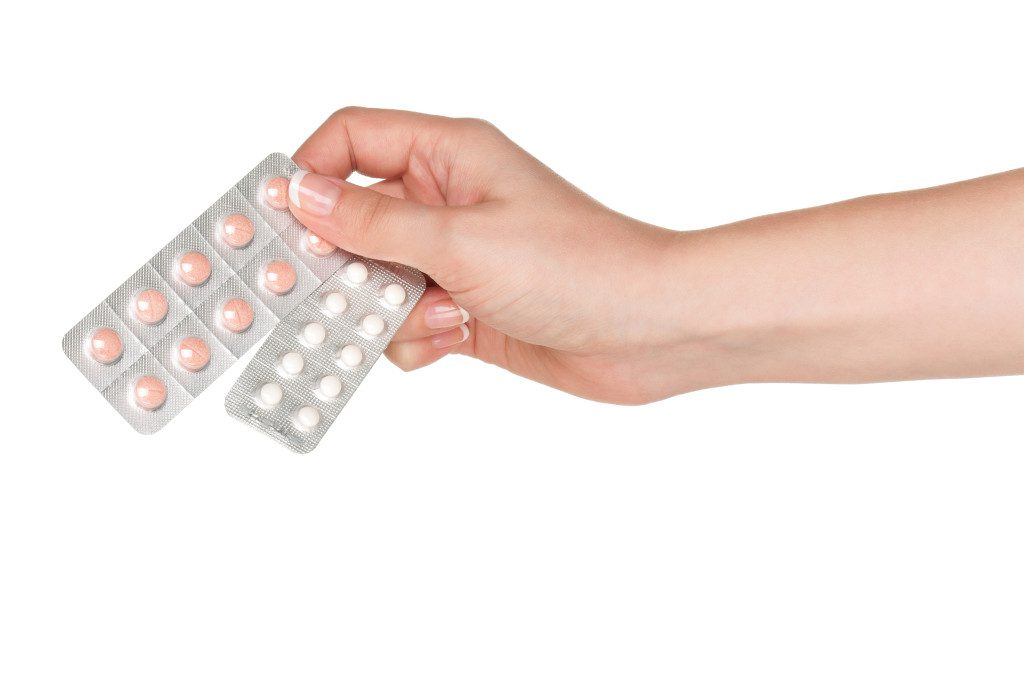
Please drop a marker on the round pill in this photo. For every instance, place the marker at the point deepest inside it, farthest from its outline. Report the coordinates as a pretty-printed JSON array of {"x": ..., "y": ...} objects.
[
  {"x": 314, "y": 332},
  {"x": 357, "y": 272},
  {"x": 105, "y": 345},
  {"x": 194, "y": 268},
  {"x": 292, "y": 363},
  {"x": 307, "y": 417},
  {"x": 150, "y": 306},
  {"x": 271, "y": 395},
  {"x": 150, "y": 392},
  {"x": 275, "y": 193},
  {"x": 193, "y": 354},
  {"x": 329, "y": 386},
  {"x": 351, "y": 356},
  {"x": 279, "y": 277},
  {"x": 318, "y": 246},
  {"x": 335, "y": 302},
  {"x": 236, "y": 315},
  {"x": 394, "y": 295},
  {"x": 372, "y": 325},
  {"x": 236, "y": 230}
]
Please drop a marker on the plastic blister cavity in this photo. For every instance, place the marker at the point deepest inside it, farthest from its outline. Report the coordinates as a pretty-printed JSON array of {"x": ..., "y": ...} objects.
[{"x": 307, "y": 370}]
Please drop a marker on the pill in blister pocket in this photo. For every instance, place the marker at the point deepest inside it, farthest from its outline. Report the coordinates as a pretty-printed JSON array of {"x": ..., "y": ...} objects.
[
  {"x": 394, "y": 295},
  {"x": 149, "y": 392},
  {"x": 335, "y": 302},
  {"x": 105, "y": 345},
  {"x": 372, "y": 325},
  {"x": 237, "y": 230},
  {"x": 193, "y": 354},
  {"x": 351, "y": 356},
  {"x": 314, "y": 333},
  {"x": 150, "y": 306},
  {"x": 307, "y": 417},
  {"x": 292, "y": 363},
  {"x": 236, "y": 315},
  {"x": 271, "y": 395},
  {"x": 356, "y": 272},
  {"x": 329, "y": 386},
  {"x": 279, "y": 277},
  {"x": 194, "y": 268},
  {"x": 318, "y": 246},
  {"x": 275, "y": 193}
]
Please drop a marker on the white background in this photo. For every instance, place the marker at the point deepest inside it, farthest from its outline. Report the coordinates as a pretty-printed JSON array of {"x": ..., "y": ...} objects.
[{"x": 459, "y": 522}]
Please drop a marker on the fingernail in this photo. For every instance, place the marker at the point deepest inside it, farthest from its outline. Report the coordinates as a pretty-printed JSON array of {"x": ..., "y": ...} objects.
[
  {"x": 314, "y": 194},
  {"x": 445, "y": 315},
  {"x": 449, "y": 338}
]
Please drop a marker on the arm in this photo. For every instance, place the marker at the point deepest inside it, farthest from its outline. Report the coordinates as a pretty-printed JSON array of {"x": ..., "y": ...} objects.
[
  {"x": 919, "y": 284},
  {"x": 540, "y": 279}
]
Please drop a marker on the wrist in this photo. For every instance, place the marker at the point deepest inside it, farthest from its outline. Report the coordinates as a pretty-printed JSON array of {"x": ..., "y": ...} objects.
[{"x": 712, "y": 325}]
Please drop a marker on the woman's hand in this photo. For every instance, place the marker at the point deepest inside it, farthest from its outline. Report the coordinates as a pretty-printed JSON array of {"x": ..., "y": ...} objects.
[
  {"x": 562, "y": 290},
  {"x": 555, "y": 286}
]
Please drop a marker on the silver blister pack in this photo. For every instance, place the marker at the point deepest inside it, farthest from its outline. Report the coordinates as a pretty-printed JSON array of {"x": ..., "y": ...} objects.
[
  {"x": 307, "y": 370},
  {"x": 202, "y": 301}
]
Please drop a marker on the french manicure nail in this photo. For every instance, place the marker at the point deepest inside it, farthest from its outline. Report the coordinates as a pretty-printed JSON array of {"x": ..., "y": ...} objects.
[
  {"x": 452, "y": 337},
  {"x": 314, "y": 194},
  {"x": 445, "y": 315}
]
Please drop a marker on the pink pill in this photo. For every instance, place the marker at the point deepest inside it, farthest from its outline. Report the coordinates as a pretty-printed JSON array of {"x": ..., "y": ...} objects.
[
  {"x": 275, "y": 193},
  {"x": 236, "y": 230},
  {"x": 194, "y": 268},
  {"x": 105, "y": 345},
  {"x": 279, "y": 277},
  {"x": 318, "y": 246},
  {"x": 236, "y": 315},
  {"x": 150, "y": 392},
  {"x": 193, "y": 354},
  {"x": 150, "y": 306}
]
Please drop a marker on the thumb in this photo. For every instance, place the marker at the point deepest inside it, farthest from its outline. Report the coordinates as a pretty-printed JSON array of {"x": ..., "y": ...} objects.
[{"x": 368, "y": 222}]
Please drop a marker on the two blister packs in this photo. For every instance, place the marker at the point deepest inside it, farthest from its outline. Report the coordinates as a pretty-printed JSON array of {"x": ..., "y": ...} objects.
[{"x": 241, "y": 269}]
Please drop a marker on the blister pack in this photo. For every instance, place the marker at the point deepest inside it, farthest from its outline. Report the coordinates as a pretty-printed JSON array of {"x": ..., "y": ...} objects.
[
  {"x": 315, "y": 358},
  {"x": 203, "y": 300}
]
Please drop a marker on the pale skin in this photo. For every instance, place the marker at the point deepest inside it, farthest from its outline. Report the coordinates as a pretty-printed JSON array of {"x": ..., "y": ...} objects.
[{"x": 562, "y": 290}]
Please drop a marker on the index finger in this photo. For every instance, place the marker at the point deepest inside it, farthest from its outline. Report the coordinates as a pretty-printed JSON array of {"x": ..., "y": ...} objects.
[{"x": 374, "y": 142}]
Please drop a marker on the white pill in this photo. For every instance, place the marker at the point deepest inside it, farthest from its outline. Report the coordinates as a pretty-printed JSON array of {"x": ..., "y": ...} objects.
[
  {"x": 357, "y": 272},
  {"x": 351, "y": 356},
  {"x": 394, "y": 294},
  {"x": 314, "y": 332},
  {"x": 271, "y": 395},
  {"x": 372, "y": 325},
  {"x": 329, "y": 386},
  {"x": 292, "y": 363},
  {"x": 307, "y": 417},
  {"x": 335, "y": 303}
]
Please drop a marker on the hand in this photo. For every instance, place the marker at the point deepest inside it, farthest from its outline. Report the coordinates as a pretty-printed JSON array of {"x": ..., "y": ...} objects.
[
  {"x": 562, "y": 290},
  {"x": 532, "y": 274}
]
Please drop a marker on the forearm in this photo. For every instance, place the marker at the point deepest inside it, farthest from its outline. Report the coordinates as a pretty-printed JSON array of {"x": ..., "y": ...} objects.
[{"x": 921, "y": 284}]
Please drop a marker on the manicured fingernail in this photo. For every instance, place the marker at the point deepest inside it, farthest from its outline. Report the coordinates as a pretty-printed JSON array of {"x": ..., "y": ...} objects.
[
  {"x": 314, "y": 194},
  {"x": 449, "y": 338},
  {"x": 445, "y": 315}
]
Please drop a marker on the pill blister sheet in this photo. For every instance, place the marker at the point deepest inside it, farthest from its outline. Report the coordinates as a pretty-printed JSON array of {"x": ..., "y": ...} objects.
[
  {"x": 315, "y": 358},
  {"x": 202, "y": 301}
]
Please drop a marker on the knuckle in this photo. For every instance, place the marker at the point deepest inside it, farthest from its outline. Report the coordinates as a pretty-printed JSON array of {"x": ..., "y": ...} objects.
[
  {"x": 376, "y": 211},
  {"x": 366, "y": 217},
  {"x": 347, "y": 112},
  {"x": 480, "y": 126}
]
